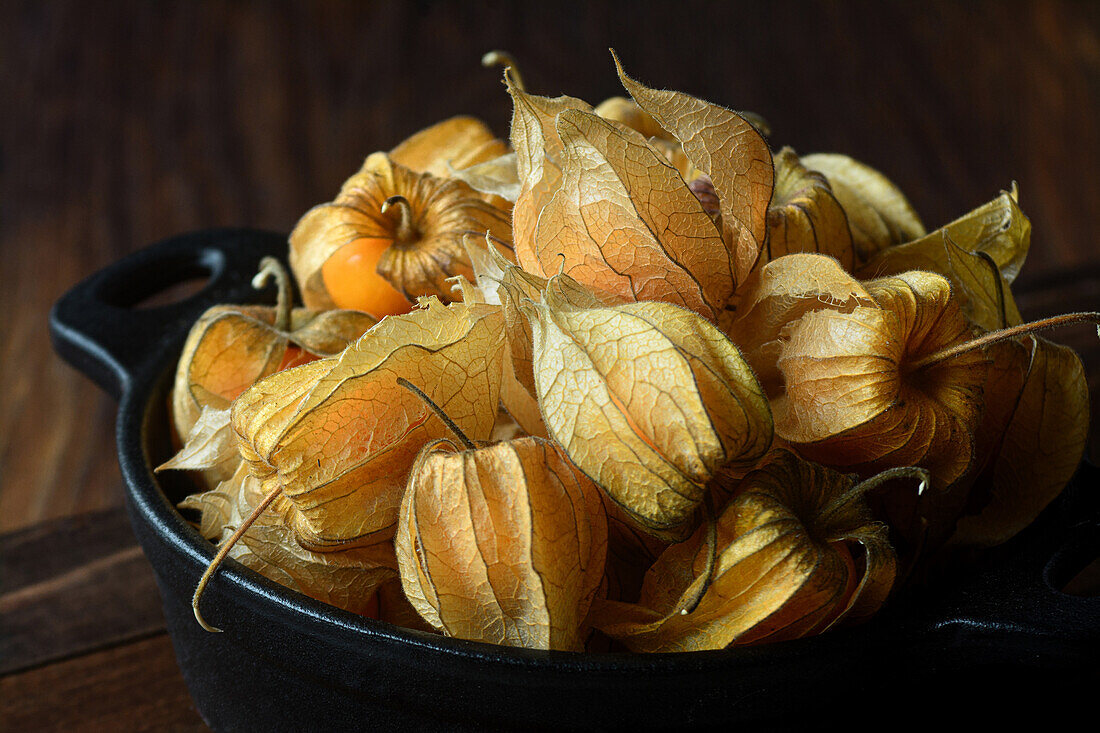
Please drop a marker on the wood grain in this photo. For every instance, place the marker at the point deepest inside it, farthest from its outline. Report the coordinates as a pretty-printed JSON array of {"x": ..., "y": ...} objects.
[
  {"x": 128, "y": 122},
  {"x": 73, "y": 586},
  {"x": 135, "y": 687}
]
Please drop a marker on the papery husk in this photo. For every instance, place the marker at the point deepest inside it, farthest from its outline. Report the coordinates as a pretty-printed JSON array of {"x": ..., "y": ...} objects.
[
  {"x": 804, "y": 215},
  {"x": 538, "y": 149},
  {"x": 498, "y": 177},
  {"x": 878, "y": 213},
  {"x": 502, "y": 282},
  {"x": 347, "y": 579},
  {"x": 623, "y": 221},
  {"x": 776, "y": 295},
  {"x": 1031, "y": 442},
  {"x": 231, "y": 347},
  {"x": 785, "y": 567},
  {"x": 998, "y": 228},
  {"x": 426, "y": 237},
  {"x": 627, "y": 112},
  {"x": 502, "y": 544},
  {"x": 980, "y": 254},
  {"x": 455, "y": 144},
  {"x": 210, "y": 447},
  {"x": 339, "y": 435},
  {"x": 648, "y": 399},
  {"x": 850, "y": 400},
  {"x": 731, "y": 152}
]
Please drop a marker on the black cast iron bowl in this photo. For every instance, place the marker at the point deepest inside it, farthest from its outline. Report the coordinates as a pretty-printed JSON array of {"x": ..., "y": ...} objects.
[{"x": 1000, "y": 633}]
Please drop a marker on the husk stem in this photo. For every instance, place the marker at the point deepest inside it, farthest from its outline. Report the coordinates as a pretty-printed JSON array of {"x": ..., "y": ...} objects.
[
  {"x": 272, "y": 268},
  {"x": 914, "y": 472},
  {"x": 223, "y": 552},
  {"x": 438, "y": 411},
  {"x": 1004, "y": 334},
  {"x": 406, "y": 231},
  {"x": 505, "y": 59}
]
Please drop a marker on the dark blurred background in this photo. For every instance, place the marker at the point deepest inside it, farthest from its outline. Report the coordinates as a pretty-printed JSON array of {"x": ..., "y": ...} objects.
[{"x": 127, "y": 122}]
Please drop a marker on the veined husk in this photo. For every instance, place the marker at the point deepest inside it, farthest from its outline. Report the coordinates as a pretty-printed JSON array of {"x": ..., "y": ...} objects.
[
  {"x": 623, "y": 221},
  {"x": 805, "y": 215},
  {"x": 776, "y": 295},
  {"x": 503, "y": 544},
  {"x": 426, "y": 236},
  {"x": 1031, "y": 439},
  {"x": 648, "y": 399},
  {"x": 463, "y": 148},
  {"x": 731, "y": 152},
  {"x": 505, "y": 284},
  {"x": 231, "y": 347},
  {"x": 538, "y": 151},
  {"x": 786, "y": 567},
  {"x": 347, "y": 579},
  {"x": 600, "y": 203},
  {"x": 629, "y": 113},
  {"x": 450, "y": 146},
  {"x": 850, "y": 400},
  {"x": 980, "y": 253},
  {"x": 338, "y": 436},
  {"x": 878, "y": 213}
]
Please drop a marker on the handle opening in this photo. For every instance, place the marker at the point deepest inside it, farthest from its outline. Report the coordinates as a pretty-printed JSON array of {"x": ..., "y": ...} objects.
[{"x": 166, "y": 282}]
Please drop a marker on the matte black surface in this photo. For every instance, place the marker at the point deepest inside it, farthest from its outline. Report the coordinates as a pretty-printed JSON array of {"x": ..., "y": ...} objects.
[{"x": 287, "y": 662}]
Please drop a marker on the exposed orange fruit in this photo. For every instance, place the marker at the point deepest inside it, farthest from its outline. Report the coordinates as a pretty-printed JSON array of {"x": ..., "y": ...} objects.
[{"x": 352, "y": 280}]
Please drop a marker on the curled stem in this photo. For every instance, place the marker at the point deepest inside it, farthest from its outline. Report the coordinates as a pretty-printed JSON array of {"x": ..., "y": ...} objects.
[
  {"x": 272, "y": 268},
  {"x": 914, "y": 472},
  {"x": 438, "y": 411},
  {"x": 223, "y": 552},
  {"x": 505, "y": 59},
  {"x": 406, "y": 230},
  {"x": 1005, "y": 334}
]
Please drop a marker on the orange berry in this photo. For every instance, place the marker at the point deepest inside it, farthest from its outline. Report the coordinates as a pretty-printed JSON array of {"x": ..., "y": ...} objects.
[
  {"x": 353, "y": 282},
  {"x": 295, "y": 356}
]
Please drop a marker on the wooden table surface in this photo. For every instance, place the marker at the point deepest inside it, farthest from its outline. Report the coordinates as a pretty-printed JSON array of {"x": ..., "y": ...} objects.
[{"x": 130, "y": 122}]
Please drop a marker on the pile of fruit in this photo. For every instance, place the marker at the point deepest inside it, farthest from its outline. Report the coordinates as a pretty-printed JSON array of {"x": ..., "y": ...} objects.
[{"x": 631, "y": 379}]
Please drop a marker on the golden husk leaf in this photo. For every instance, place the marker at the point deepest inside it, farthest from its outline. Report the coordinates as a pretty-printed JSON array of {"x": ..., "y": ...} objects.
[
  {"x": 779, "y": 293},
  {"x": 785, "y": 567},
  {"x": 979, "y": 253},
  {"x": 852, "y": 401},
  {"x": 648, "y": 399},
  {"x": 804, "y": 215},
  {"x": 1040, "y": 433},
  {"x": 878, "y": 213},
  {"x": 502, "y": 282},
  {"x": 347, "y": 579},
  {"x": 728, "y": 149},
  {"x": 627, "y": 112},
  {"x": 538, "y": 149},
  {"x": 498, "y": 177},
  {"x": 231, "y": 347},
  {"x": 210, "y": 447},
  {"x": 623, "y": 221},
  {"x": 456, "y": 144},
  {"x": 339, "y": 435},
  {"x": 503, "y": 544}
]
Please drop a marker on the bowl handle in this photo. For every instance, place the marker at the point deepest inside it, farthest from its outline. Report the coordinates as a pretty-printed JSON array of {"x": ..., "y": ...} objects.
[{"x": 101, "y": 327}]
